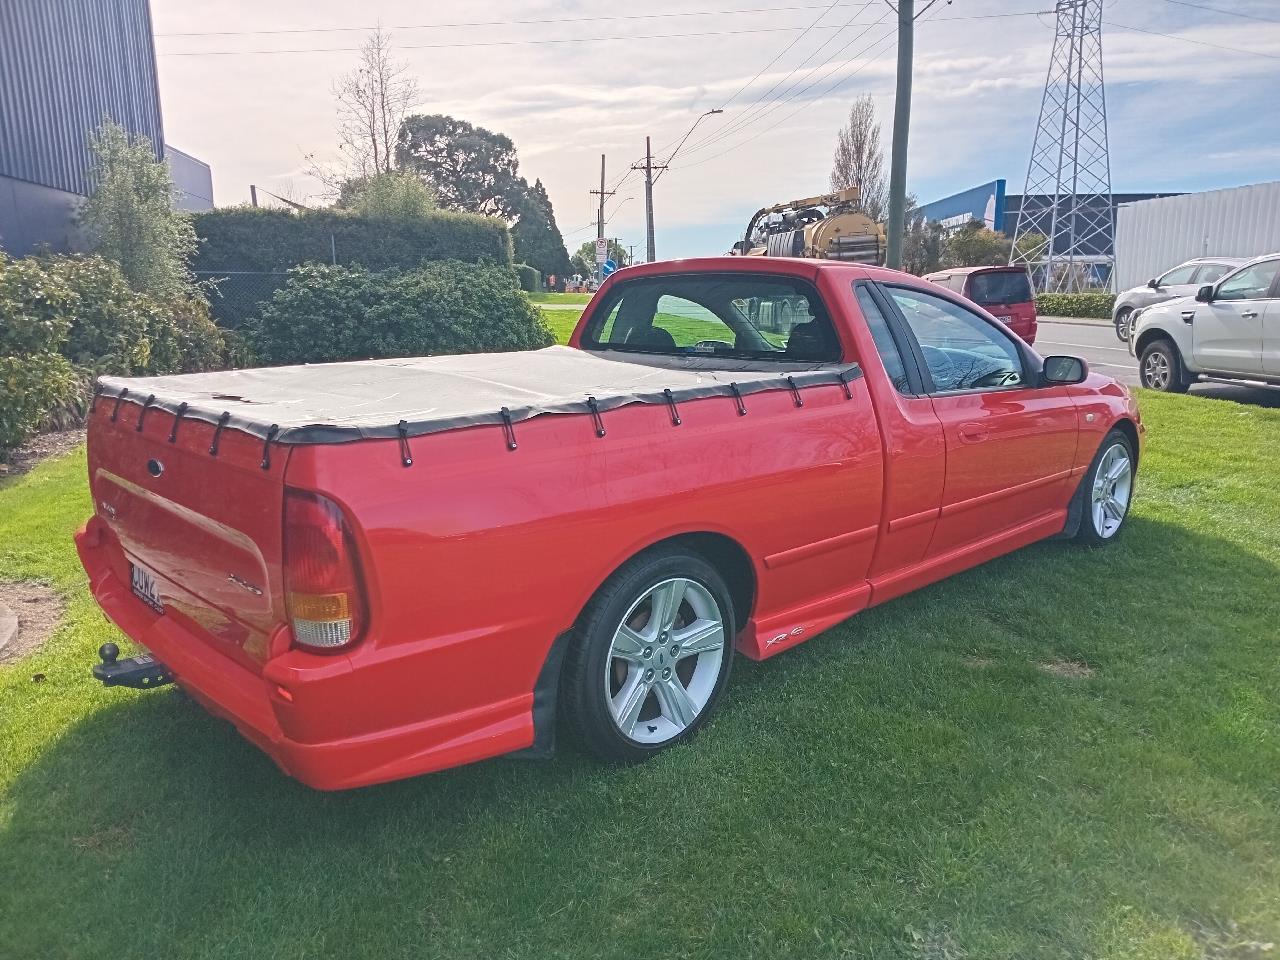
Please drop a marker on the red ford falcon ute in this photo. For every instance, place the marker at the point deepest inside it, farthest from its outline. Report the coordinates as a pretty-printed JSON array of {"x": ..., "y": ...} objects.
[{"x": 384, "y": 568}]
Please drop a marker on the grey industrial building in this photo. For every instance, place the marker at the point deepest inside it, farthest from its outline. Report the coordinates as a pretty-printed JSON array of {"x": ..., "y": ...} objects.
[{"x": 65, "y": 66}]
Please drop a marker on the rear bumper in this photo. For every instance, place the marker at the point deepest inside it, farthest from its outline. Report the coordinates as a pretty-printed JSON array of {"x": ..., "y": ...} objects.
[{"x": 298, "y": 692}]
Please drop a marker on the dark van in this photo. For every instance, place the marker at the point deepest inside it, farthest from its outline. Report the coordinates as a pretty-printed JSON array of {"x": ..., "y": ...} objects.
[{"x": 1004, "y": 292}]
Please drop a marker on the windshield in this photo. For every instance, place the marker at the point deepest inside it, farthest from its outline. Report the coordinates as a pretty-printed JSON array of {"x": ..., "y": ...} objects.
[
  {"x": 1000, "y": 287},
  {"x": 741, "y": 315}
]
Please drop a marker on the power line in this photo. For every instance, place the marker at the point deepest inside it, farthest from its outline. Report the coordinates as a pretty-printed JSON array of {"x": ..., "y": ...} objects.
[
  {"x": 779, "y": 56},
  {"x": 495, "y": 23},
  {"x": 1230, "y": 13},
  {"x": 488, "y": 43},
  {"x": 1202, "y": 43},
  {"x": 793, "y": 93},
  {"x": 804, "y": 106},
  {"x": 752, "y": 113}
]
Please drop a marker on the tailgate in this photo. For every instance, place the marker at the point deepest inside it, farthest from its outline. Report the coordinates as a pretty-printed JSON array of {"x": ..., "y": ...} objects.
[{"x": 196, "y": 535}]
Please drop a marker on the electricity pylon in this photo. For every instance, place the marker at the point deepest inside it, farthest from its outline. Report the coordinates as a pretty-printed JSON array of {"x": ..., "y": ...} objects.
[{"x": 1065, "y": 230}]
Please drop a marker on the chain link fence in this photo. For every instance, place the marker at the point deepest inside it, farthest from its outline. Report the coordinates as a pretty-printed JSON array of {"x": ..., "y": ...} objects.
[{"x": 236, "y": 295}]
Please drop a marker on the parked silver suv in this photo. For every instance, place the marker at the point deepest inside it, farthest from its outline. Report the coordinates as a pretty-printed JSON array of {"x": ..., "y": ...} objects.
[{"x": 1182, "y": 281}]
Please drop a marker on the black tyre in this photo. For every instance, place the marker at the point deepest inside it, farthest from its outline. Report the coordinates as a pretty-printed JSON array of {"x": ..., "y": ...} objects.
[
  {"x": 1160, "y": 368},
  {"x": 1122, "y": 323},
  {"x": 1106, "y": 490},
  {"x": 650, "y": 657}
]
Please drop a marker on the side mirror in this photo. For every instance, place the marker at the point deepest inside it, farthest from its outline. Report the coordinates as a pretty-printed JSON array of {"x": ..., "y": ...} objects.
[
  {"x": 1153, "y": 283},
  {"x": 1063, "y": 370},
  {"x": 1205, "y": 294}
]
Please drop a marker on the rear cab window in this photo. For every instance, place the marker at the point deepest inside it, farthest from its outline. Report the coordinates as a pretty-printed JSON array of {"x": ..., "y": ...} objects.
[
  {"x": 1000, "y": 288},
  {"x": 734, "y": 315}
]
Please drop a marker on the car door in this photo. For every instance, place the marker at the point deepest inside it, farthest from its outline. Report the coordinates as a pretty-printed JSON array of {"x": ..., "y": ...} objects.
[
  {"x": 1227, "y": 331},
  {"x": 1178, "y": 282},
  {"x": 1010, "y": 444},
  {"x": 1271, "y": 333}
]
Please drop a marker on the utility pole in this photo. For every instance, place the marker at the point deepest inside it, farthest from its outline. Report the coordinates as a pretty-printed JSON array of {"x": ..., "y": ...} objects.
[
  {"x": 631, "y": 251},
  {"x": 901, "y": 124},
  {"x": 648, "y": 168},
  {"x": 603, "y": 195}
]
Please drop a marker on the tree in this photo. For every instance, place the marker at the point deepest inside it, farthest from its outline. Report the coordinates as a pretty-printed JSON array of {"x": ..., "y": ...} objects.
[
  {"x": 130, "y": 216},
  {"x": 472, "y": 169},
  {"x": 859, "y": 159},
  {"x": 975, "y": 245},
  {"x": 535, "y": 237},
  {"x": 921, "y": 241},
  {"x": 584, "y": 261},
  {"x": 391, "y": 195},
  {"x": 372, "y": 102}
]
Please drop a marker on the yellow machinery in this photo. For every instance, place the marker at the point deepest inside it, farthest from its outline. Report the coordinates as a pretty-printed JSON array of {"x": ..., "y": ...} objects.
[{"x": 828, "y": 227}]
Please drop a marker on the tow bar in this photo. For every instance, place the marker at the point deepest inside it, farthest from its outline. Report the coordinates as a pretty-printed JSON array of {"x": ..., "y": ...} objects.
[{"x": 143, "y": 671}]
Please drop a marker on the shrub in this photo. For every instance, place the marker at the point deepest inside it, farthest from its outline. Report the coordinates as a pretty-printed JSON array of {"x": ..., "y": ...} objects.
[
  {"x": 1095, "y": 305},
  {"x": 327, "y": 313},
  {"x": 35, "y": 308},
  {"x": 110, "y": 323},
  {"x": 185, "y": 339},
  {"x": 31, "y": 388},
  {"x": 530, "y": 279},
  {"x": 257, "y": 239}
]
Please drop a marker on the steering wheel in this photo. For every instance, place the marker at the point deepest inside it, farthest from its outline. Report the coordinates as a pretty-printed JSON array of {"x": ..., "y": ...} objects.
[
  {"x": 999, "y": 378},
  {"x": 712, "y": 345}
]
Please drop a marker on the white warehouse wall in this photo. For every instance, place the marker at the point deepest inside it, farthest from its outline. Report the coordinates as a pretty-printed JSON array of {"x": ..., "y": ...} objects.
[{"x": 1154, "y": 235}]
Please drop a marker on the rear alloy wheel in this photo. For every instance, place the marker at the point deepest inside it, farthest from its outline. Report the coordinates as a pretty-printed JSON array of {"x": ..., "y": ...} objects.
[
  {"x": 1122, "y": 323},
  {"x": 1107, "y": 489},
  {"x": 1161, "y": 368},
  {"x": 651, "y": 657}
]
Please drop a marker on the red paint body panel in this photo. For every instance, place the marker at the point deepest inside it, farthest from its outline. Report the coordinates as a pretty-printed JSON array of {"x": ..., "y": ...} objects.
[{"x": 477, "y": 558}]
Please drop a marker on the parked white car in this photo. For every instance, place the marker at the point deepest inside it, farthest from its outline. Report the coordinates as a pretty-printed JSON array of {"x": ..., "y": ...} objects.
[
  {"x": 1182, "y": 281},
  {"x": 1230, "y": 330}
]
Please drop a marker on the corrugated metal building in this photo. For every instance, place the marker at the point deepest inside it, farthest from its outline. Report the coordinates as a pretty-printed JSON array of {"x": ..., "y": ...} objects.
[
  {"x": 1154, "y": 235},
  {"x": 65, "y": 65}
]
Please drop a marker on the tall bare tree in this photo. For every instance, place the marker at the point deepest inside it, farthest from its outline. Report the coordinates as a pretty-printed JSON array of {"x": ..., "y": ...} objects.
[
  {"x": 859, "y": 158},
  {"x": 372, "y": 102}
]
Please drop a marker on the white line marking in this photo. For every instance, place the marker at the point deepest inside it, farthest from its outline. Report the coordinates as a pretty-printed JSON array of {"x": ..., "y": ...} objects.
[{"x": 1083, "y": 346}]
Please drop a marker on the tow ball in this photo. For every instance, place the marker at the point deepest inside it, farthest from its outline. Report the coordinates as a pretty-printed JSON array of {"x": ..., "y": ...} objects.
[{"x": 142, "y": 672}]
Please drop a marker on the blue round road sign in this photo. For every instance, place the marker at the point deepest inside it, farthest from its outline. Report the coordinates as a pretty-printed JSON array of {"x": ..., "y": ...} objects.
[{"x": 608, "y": 267}]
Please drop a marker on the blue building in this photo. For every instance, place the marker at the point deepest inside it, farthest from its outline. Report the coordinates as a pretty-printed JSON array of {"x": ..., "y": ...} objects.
[
  {"x": 989, "y": 203},
  {"x": 65, "y": 66}
]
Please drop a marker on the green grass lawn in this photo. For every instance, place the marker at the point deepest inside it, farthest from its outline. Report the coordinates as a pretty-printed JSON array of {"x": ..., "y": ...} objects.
[
  {"x": 912, "y": 784},
  {"x": 579, "y": 299}
]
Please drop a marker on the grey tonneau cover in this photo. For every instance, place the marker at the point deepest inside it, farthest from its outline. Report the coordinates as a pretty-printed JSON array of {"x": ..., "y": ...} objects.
[{"x": 339, "y": 402}]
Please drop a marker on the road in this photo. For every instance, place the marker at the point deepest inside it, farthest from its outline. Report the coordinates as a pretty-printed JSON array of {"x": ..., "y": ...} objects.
[{"x": 1097, "y": 344}]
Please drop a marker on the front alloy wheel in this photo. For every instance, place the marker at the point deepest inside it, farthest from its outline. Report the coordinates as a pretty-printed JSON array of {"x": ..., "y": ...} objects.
[
  {"x": 1108, "y": 490},
  {"x": 650, "y": 656},
  {"x": 1123, "y": 323}
]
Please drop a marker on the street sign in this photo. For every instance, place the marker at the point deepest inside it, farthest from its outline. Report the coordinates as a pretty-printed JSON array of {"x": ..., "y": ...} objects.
[
  {"x": 608, "y": 267},
  {"x": 602, "y": 250}
]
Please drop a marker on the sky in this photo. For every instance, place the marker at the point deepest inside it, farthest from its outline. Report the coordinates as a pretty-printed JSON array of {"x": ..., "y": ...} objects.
[{"x": 1191, "y": 94}]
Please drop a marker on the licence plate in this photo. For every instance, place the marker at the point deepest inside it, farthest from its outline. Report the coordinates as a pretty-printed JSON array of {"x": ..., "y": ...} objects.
[
  {"x": 144, "y": 587},
  {"x": 1005, "y": 319}
]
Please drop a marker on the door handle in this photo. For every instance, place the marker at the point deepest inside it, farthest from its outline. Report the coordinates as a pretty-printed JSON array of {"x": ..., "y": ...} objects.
[
  {"x": 973, "y": 432},
  {"x": 1249, "y": 314}
]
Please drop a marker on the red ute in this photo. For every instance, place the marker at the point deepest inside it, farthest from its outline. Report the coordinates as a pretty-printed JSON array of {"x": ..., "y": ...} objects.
[
  {"x": 1005, "y": 292},
  {"x": 379, "y": 569}
]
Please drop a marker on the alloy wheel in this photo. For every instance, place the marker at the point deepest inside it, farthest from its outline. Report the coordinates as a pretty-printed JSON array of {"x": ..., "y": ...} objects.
[
  {"x": 1112, "y": 489},
  {"x": 664, "y": 661},
  {"x": 1156, "y": 371}
]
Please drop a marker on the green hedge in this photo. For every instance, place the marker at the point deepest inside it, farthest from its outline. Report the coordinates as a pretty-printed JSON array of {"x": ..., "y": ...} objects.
[
  {"x": 1089, "y": 305},
  {"x": 31, "y": 388},
  {"x": 63, "y": 319},
  {"x": 259, "y": 239},
  {"x": 530, "y": 279},
  {"x": 327, "y": 313}
]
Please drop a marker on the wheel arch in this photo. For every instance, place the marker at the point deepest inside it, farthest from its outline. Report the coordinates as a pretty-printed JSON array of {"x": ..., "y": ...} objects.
[
  {"x": 1150, "y": 336},
  {"x": 1130, "y": 429}
]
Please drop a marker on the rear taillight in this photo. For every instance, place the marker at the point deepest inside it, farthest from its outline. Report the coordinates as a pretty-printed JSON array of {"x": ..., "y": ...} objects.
[{"x": 323, "y": 591}]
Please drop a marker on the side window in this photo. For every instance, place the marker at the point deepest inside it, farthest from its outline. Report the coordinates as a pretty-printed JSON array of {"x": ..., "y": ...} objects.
[
  {"x": 1178, "y": 275},
  {"x": 1251, "y": 283},
  {"x": 890, "y": 356},
  {"x": 1212, "y": 273},
  {"x": 961, "y": 349}
]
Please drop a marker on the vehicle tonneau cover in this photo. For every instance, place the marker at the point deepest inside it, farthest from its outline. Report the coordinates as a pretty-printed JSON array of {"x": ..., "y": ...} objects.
[{"x": 340, "y": 402}]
